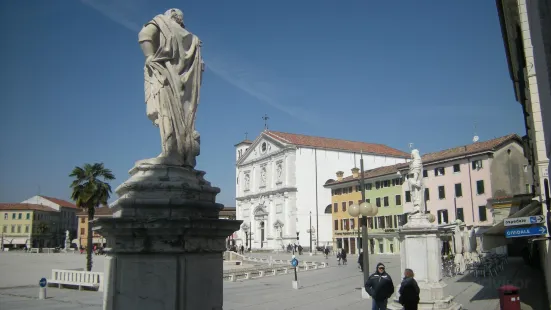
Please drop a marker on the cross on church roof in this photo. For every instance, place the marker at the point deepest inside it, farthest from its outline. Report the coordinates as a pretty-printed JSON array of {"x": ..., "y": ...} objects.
[{"x": 265, "y": 118}]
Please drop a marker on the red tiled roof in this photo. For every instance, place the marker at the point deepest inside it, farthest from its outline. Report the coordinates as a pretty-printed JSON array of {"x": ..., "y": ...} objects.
[
  {"x": 101, "y": 211},
  {"x": 25, "y": 207},
  {"x": 478, "y": 147},
  {"x": 335, "y": 144},
  {"x": 372, "y": 173},
  {"x": 61, "y": 202}
]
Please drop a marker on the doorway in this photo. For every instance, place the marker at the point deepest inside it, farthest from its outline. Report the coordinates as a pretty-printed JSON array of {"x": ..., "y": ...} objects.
[
  {"x": 261, "y": 234},
  {"x": 352, "y": 246},
  {"x": 345, "y": 246}
]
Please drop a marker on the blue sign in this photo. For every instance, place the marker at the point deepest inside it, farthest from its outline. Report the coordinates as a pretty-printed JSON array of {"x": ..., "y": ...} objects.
[
  {"x": 294, "y": 262},
  {"x": 43, "y": 282},
  {"x": 525, "y": 231}
]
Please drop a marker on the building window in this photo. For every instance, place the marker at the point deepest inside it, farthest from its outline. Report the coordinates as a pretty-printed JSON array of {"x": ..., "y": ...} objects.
[
  {"x": 386, "y": 183},
  {"x": 82, "y": 230},
  {"x": 480, "y": 187},
  {"x": 343, "y": 205},
  {"x": 441, "y": 192},
  {"x": 370, "y": 222},
  {"x": 13, "y": 216},
  {"x": 398, "y": 200},
  {"x": 460, "y": 215},
  {"x": 476, "y": 164},
  {"x": 378, "y": 202},
  {"x": 427, "y": 194},
  {"x": 5, "y": 216},
  {"x": 408, "y": 196},
  {"x": 385, "y": 201},
  {"x": 439, "y": 171},
  {"x": 368, "y": 200},
  {"x": 456, "y": 168},
  {"x": 442, "y": 216},
  {"x": 26, "y": 228},
  {"x": 20, "y": 216},
  {"x": 28, "y": 216},
  {"x": 425, "y": 174},
  {"x": 458, "y": 190},
  {"x": 527, "y": 188},
  {"x": 12, "y": 228},
  {"x": 377, "y": 185},
  {"x": 18, "y": 229},
  {"x": 381, "y": 220},
  {"x": 352, "y": 224},
  {"x": 482, "y": 215},
  {"x": 5, "y": 229},
  {"x": 368, "y": 186},
  {"x": 357, "y": 189},
  {"x": 335, "y": 209}
]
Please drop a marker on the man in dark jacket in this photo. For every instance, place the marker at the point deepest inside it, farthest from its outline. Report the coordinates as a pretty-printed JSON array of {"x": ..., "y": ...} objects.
[
  {"x": 380, "y": 287},
  {"x": 361, "y": 261},
  {"x": 409, "y": 291}
]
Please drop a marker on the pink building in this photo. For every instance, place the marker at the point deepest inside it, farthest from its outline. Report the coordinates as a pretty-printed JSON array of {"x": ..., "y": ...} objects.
[{"x": 459, "y": 181}]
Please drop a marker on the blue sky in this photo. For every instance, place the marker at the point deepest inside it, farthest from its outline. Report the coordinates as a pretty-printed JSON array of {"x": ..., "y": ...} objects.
[{"x": 390, "y": 72}]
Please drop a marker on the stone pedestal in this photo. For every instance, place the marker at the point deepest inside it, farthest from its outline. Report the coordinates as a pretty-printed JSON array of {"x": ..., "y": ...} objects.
[
  {"x": 420, "y": 251},
  {"x": 165, "y": 242}
]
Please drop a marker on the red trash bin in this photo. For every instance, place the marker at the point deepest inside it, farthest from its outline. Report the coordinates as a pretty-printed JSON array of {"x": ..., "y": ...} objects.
[{"x": 509, "y": 298}]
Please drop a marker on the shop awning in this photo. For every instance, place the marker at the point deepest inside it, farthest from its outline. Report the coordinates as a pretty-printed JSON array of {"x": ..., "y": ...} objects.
[{"x": 534, "y": 208}]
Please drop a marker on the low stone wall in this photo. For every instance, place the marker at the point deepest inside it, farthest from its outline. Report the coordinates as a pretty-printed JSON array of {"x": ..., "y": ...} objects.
[{"x": 275, "y": 267}]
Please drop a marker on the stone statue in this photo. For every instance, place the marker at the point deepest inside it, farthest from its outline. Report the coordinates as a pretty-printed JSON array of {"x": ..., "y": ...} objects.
[
  {"x": 416, "y": 180},
  {"x": 67, "y": 240},
  {"x": 263, "y": 177},
  {"x": 247, "y": 181},
  {"x": 279, "y": 171},
  {"x": 173, "y": 74}
]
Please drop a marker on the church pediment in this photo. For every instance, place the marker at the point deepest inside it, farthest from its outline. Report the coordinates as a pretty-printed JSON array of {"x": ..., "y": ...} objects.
[{"x": 263, "y": 146}]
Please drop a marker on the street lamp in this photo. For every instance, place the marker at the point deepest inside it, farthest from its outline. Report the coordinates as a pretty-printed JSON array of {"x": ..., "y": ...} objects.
[
  {"x": 365, "y": 209},
  {"x": 245, "y": 229}
]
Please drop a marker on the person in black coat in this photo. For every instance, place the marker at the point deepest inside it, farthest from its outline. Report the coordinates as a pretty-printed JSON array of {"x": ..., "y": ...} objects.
[
  {"x": 409, "y": 291},
  {"x": 361, "y": 261},
  {"x": 380, "y": 287}
]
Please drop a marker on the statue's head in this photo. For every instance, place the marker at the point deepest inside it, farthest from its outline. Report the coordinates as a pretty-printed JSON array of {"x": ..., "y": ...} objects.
[
  {"x": 415, "y": 154},
  {"x": 176, "y": 15}
]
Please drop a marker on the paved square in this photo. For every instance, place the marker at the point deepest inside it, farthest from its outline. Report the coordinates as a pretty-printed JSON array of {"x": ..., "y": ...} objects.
[{"x": 334, "y": 287}]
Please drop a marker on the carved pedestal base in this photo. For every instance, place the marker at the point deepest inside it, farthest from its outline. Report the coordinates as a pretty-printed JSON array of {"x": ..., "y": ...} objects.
[
  {"x": 165, "y": 242},
  {"x": 420, "y": 251}
]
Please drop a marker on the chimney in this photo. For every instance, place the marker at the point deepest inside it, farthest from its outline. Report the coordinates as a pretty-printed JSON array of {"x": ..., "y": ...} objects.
[
  {"x": 355, "y": 172},
  {"x": 339, "y": 175}
]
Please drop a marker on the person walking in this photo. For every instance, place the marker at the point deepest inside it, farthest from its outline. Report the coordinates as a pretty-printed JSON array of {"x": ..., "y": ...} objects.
[
  {"x": 380, "y": 287},
  {"x": 409, "y": 291},
  {"x": 343, "y": 256},
  {"x": 361, "y": 261}
]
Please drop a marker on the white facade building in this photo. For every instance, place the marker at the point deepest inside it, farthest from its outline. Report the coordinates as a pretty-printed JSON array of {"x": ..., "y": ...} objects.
[
  {"x": 279, "y": 186},
  {"x": 67, "y": 213}
]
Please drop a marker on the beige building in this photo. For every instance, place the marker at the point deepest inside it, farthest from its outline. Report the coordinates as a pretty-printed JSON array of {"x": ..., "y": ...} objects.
[{"x": 97, "y": 239}]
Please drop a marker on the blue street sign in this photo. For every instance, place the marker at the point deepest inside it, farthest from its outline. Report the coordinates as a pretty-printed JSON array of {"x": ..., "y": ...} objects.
[
  {"x": 294, "y": 262},
  {"x": 42, "y": 282},
  {"x": 525, "y": 231}
]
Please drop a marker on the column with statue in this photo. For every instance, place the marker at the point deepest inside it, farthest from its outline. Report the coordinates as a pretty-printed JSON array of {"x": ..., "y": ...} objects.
[
  {"x": 420, "y": 247},
  {"x": 165, "y": 235}
]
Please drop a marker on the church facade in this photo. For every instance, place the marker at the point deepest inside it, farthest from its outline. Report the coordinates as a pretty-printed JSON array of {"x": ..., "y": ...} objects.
[{"x": 280, "y": 177}]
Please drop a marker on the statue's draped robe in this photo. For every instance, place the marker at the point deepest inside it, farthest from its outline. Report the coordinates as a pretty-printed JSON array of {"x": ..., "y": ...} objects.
[
  {"x": 172, "y": 83},
  {"x": 417, "y": 168}
]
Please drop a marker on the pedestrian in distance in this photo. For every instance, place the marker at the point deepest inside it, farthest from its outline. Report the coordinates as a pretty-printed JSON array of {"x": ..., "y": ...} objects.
[
  {"x": 361, "y": 261},
  {"x": 409, "y": 291},
  {"x": 380, "y": 287}
]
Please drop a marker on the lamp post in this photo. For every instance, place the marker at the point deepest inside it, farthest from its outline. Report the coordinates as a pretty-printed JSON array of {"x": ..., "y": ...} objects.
[
  {"x": 245, "y": 229},
  {"x": 365, "y": 209},
  {"x": 310, "y": 231}
]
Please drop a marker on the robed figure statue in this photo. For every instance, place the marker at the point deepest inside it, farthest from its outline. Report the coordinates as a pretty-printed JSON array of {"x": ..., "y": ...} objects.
[
  {"x": 173, "y": 73},
  {"x": 415, "y": 180}
]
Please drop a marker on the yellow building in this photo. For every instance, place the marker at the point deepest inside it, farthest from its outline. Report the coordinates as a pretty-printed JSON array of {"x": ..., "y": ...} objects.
[
  {"x": 82, "y": 231},
  {"x": 31, "y": 225},
  {"x": 345, "y": 227}
]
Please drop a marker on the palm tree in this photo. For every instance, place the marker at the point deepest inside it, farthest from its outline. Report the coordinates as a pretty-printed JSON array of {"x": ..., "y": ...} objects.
[{"x": 90, "y": 190}]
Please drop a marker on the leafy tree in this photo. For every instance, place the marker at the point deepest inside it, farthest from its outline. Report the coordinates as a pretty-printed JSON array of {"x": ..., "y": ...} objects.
[{"x": 90, "y": 189}]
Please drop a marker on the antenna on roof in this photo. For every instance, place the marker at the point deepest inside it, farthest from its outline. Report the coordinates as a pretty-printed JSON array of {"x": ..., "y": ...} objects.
[
  {"x": 475, "y": 138},
  {"x": 246, "y": 135}
]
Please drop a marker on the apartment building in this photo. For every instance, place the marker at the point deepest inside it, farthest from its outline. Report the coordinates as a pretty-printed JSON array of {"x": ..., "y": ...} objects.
[{"x": 97, "y": 239}]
